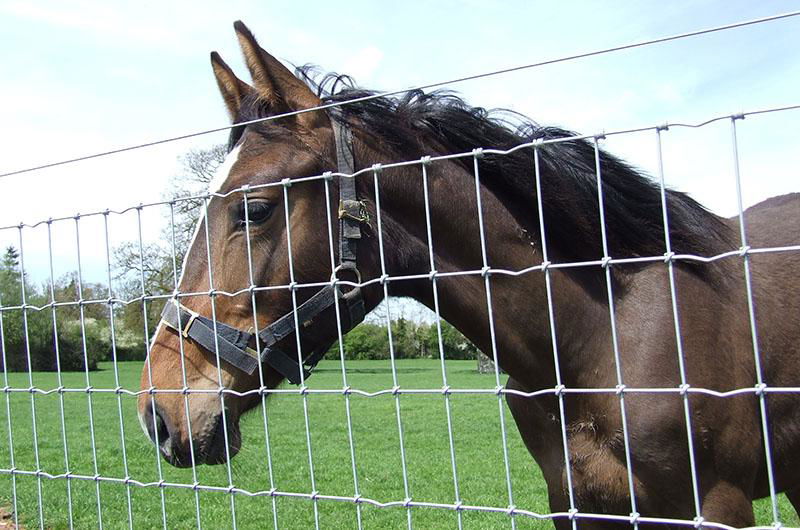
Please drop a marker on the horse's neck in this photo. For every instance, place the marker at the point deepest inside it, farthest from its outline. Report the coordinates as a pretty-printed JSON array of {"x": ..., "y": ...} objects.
[{"x": 519, "y": 304}]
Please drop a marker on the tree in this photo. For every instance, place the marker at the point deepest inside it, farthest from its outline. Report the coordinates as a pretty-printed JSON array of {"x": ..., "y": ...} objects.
[
  {"x": 153, "y": 264},
  {"x": 29, "y": 332}
]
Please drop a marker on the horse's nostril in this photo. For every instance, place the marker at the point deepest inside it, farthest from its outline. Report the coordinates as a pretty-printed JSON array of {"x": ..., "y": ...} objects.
[
  {"x": 156, "y": 426},
  {"x": 161, "y": 429}
]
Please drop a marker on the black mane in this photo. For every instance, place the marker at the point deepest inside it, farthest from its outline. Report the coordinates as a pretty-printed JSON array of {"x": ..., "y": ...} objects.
[{"x": 418, "y": 123}]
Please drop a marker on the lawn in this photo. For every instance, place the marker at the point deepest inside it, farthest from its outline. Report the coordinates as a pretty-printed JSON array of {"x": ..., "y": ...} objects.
[{"x": 476, "y": 428}]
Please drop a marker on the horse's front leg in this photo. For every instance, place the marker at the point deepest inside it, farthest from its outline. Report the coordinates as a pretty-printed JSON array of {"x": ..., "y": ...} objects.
[{"x": 541, "y": 432}]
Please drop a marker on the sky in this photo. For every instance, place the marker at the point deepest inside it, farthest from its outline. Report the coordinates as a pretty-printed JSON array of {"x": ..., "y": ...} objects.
[{"x": 87, "y": 76}]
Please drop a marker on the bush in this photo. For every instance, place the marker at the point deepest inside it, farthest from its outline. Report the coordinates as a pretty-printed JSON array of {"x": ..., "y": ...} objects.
[{"x": 410, "y": 340}]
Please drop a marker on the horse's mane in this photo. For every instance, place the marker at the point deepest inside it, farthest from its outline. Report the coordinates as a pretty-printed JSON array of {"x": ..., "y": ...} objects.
[{"x": 418, "y": 123}]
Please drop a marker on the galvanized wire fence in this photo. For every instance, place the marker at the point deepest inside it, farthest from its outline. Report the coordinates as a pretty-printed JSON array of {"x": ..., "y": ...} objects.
[{"x": 108, "y": 407}]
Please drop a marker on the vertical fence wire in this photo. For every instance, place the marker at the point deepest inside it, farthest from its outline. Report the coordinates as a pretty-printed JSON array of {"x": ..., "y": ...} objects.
[
  {"x": 146, "y": 330},
  {"x": 678, "y": 337},
  {"x": 262, "y": 386},
  {"x": 113, "y": 334},
  {"x": 554, "y": 341},
  {"x": 440, "y": 343},
  {"x": 340, "y": 341},
  {"x": 26, "y": 330},
  {"x": 220, "y": 383},
  {"x": 487, "y": 274},
  {"x": 87, "y": 379},
  {"x": 59, "y": 379},
  {"x": 760, "y": 384},
  {"x": 182, "y": 353},
  {"x": 11, "y": 464},
  {"x": 376, "y": 169},
  {"x": 303, "y": 387},
  {"x": 476, "y": 155},
  {"x": 614, "y": 339}
]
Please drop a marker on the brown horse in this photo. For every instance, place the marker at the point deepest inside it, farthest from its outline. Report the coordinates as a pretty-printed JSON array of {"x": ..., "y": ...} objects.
[{"x": 600, "y": 325}]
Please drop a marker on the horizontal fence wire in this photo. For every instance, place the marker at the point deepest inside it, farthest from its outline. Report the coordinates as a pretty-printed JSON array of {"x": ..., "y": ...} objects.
[
  {"x": 427, "y": 86},
  {"x": 760, "y": 390},
  {"x": 312, "y": 447}
]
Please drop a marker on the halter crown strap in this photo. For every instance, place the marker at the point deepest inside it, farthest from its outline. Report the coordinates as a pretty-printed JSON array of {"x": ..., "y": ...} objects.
[{"x": 233, "y": 345}]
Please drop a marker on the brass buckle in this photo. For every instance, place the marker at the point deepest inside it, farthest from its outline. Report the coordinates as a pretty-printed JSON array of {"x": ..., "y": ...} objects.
[
  {"x": 185, "y": 330},
  {"x": 362, "y": 216}
]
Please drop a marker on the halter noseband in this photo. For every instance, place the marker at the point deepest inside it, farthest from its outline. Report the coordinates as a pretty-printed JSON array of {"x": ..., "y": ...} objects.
[{"x": 233, "y": 344}]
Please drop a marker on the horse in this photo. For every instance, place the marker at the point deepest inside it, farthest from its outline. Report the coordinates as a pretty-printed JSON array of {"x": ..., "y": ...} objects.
[{"x": 680, "y": 325}]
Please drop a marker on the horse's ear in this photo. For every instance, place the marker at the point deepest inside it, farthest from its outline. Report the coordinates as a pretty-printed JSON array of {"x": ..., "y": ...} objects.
[
  {"x": 275, "y": 84},
  {"x": 232, "y": 88}
]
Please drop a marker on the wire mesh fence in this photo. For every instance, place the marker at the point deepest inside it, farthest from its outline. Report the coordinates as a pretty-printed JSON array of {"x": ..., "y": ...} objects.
[{"x": 398, "y": 442}]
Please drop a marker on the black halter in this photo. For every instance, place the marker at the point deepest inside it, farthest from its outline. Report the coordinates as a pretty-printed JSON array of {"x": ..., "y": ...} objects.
[{"x": 314, "y": 316}]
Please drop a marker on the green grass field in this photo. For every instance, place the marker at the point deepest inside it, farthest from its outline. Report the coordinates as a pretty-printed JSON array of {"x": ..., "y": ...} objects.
[{"x": 476, "y": 427}]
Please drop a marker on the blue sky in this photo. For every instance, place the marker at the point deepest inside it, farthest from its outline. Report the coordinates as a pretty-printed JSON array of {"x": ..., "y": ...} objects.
[{"x": 89, "y": 75}]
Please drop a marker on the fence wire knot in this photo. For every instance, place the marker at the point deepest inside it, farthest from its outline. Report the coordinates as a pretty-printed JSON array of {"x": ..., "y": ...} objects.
[
  {"x": 571, "y": 513},
  {"x": 328, "y": 175},
  {"x": 486, "y": 271},
  {"x": 698, "y": 521},
  {"x": 744, "y": 250},
  {"x": 669, "y": 257},
  {"x": 620, "y": 389},
  {"x": 605, "y": 262},
  {"x": 559, "y": 390},
  {"x": 761, "y": 389},
  {"x": 684, "y": 389}
]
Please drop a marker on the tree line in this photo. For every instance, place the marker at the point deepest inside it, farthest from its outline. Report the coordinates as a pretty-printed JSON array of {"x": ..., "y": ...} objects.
[{"x": 81, "y": 334}]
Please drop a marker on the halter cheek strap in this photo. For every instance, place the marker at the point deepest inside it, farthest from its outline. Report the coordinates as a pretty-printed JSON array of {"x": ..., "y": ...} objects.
[{"x": 316, "y": 316}]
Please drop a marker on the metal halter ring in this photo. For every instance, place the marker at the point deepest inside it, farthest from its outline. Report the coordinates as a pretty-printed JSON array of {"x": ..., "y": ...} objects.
[{"x": 346, "y": 266}]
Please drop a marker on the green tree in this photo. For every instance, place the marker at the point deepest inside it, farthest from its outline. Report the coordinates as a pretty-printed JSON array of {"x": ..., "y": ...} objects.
[{"x": 28, "y": 332}]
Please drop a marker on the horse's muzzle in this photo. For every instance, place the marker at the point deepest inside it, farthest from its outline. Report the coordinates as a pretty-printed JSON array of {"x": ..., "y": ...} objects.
[{"x": 207, "y": 447}]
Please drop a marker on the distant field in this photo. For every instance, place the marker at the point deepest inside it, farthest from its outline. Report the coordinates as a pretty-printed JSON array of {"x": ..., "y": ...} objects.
[{"x": 475, "y": 424}]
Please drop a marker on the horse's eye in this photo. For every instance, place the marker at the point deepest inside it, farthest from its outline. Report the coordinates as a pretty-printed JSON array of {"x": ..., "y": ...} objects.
[{"x": 257, "y": 212}]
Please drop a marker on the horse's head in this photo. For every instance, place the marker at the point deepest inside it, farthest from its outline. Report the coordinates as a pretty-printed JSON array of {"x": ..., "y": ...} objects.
[{"x": 249, "y": 247}]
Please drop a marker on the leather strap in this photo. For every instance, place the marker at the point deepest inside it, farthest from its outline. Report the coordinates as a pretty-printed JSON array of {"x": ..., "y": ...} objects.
[{"x": 232, "y": 342}]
